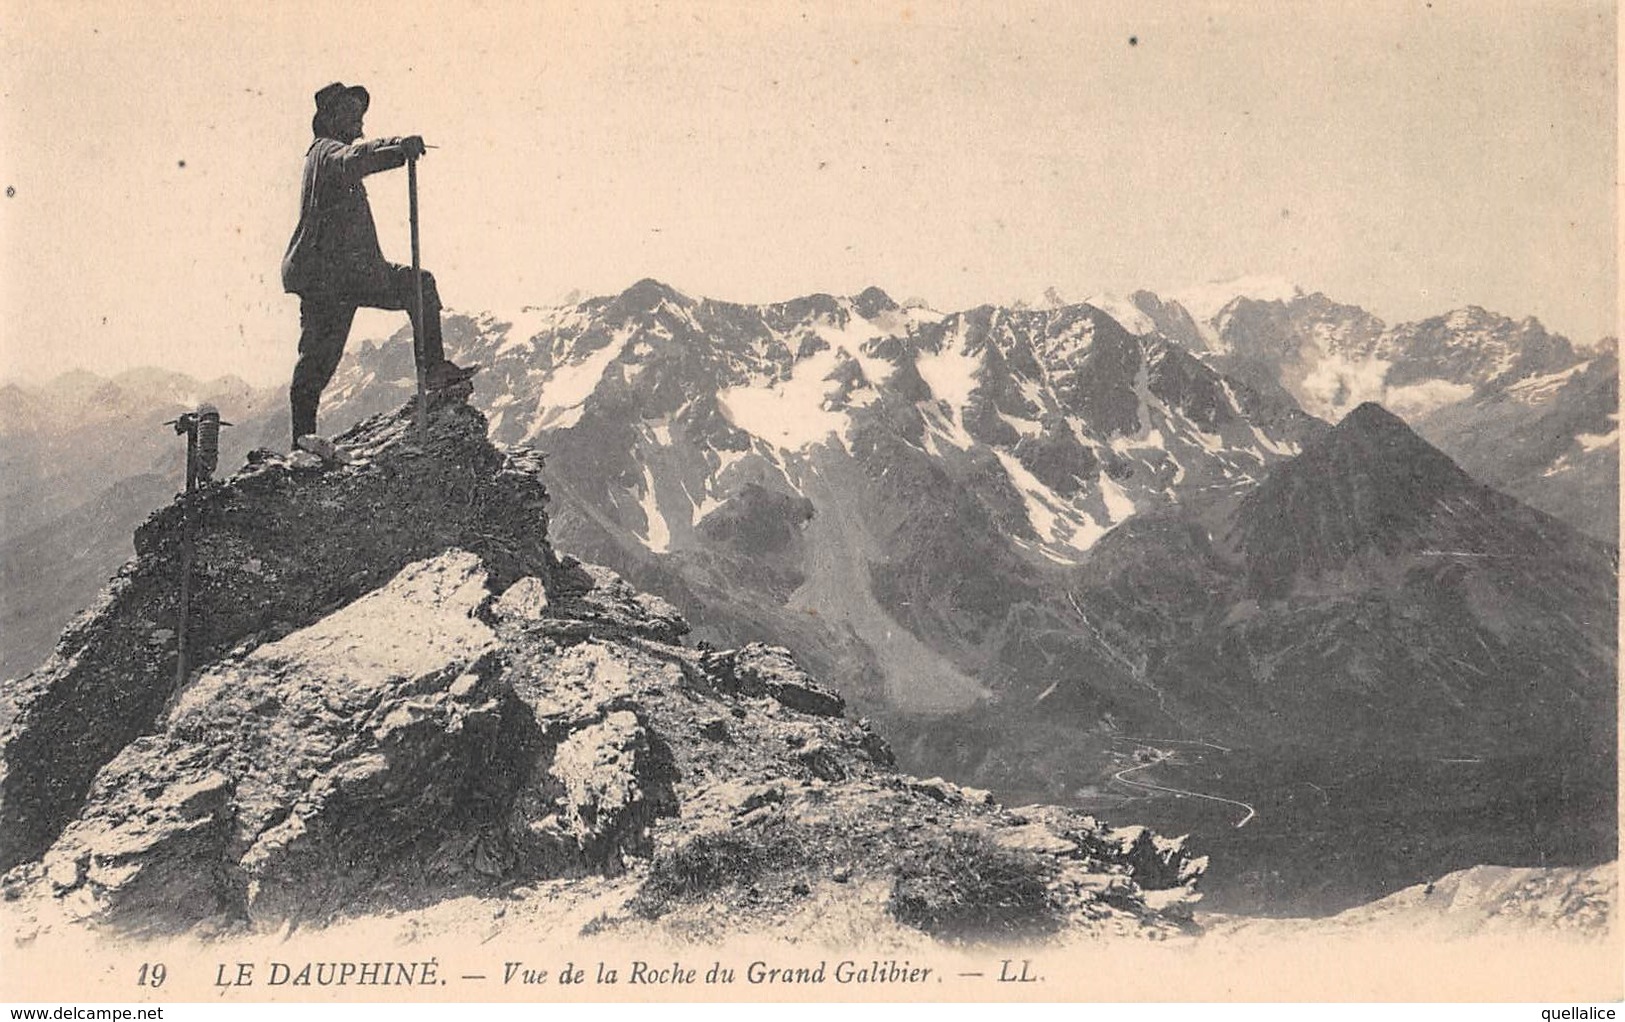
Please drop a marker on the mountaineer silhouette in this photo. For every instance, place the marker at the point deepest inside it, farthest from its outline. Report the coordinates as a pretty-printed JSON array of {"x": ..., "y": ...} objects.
[{"x": 334, "y": 263}]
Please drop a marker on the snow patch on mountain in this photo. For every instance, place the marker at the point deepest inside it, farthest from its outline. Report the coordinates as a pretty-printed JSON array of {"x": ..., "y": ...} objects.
[
  {"x": 718, "y": 479},
  {"x": 852, "y": 342},
  {"x": 1041, "y": 514},
  {"x": 1212, "y": 443},
  {"x": 657, "y": 536},
  {"x": 951, "y": 373},
  {"x": 1588, "y": 448},
  {"x": 791, "y": 414},
  {"x": 1056, "y": 522},
  {"x": 523, "y": 328},
  {"x": 944, "y": 424},
  {"x": 1596, "y": 441},
  {"x": 569, "y": 383},
  {"x": 704, "y": 506},
  {"x": 807, "y": 407},
  {"x": 1026, "y": 427},
  {"x": 1150, "y": 437},
  {"x": 1538, "y": 389},
  {"x": 1118, "y": 503},
  {"x": 1285, "y": 449}
]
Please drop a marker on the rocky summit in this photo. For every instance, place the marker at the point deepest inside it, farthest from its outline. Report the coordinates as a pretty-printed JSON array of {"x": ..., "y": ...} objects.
[{"x": 396, "y": 692}]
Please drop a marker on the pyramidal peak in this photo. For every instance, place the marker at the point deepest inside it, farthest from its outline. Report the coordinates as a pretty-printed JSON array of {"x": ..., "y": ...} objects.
[
  {"x": 1371, "y": 417},
  {"x": 1373, "y": 441},
  {"x": 1368, "y": 483},
  {"x": 1373, "y": 445}
]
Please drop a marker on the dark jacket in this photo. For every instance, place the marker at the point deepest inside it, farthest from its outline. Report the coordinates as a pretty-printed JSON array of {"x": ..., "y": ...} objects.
[{"x": 335, "y": 247}]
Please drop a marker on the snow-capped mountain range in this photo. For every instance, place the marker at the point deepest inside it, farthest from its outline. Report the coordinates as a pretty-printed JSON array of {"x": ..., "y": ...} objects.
[
  {"x": 1052, "y": 424},
  {"x": 1085, "y": 422}
]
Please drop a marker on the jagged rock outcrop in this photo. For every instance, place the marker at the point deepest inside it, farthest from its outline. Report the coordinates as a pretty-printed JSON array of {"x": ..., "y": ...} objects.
[
  {"x": 274, "y": 550},
  {"x": 399, "y": 694}
]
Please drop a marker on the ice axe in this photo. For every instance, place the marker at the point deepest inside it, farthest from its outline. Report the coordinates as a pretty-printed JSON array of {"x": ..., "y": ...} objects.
[{"x": 417, "y": 318}]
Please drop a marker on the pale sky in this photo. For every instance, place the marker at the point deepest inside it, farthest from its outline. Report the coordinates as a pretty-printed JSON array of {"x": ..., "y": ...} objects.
[{"x": 1409, "y": 157}]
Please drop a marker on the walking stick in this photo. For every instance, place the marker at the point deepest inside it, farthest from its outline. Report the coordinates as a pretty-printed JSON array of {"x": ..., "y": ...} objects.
[{"x": 417, "y": 321}]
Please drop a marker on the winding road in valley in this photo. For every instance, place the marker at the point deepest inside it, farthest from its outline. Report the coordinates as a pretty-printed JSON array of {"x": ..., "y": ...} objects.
[{"x": 1122, "y": 776}]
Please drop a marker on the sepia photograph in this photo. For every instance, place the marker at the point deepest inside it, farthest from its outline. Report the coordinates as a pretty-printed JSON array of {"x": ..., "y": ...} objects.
[{"x": 809, "y": 501}]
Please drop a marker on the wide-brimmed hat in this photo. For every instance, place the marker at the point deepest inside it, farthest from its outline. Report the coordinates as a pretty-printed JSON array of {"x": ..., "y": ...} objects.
[{"x": 329, "y": 95}]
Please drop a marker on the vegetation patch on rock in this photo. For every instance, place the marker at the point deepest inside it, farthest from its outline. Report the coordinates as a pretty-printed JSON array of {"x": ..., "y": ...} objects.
[{"x": 964, "y": 885}]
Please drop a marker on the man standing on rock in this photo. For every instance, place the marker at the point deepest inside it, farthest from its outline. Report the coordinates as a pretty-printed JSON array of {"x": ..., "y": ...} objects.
[{"x": 334, "y": 263}]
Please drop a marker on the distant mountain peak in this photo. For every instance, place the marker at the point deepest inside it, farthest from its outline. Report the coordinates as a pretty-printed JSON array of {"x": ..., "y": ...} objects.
[
  {"x": 1372, "y": 443},
  {"x": 1371, "y": 417},
  {"x": 872, "y": 301},
  {"x": 1368, "y": 483},
  {"x": 647, "y": 294},
  {"x": 1381, "y": 444}
]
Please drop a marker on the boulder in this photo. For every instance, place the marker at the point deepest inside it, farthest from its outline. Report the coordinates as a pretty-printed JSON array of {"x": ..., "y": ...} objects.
[
  {"x": 758, "y": 670},
  {"x": 286, "y": 780}
]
